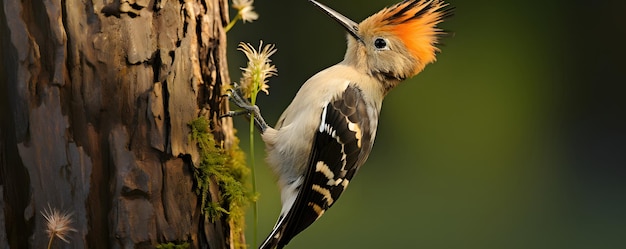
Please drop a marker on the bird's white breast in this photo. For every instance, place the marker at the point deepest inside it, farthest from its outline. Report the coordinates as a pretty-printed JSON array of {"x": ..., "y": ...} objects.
[{"x": 289, "y": 144}]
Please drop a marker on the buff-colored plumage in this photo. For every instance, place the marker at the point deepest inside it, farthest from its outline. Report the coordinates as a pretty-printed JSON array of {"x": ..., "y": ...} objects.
[
  {"x": 394, "y": 44},
  {"x": 414, "y": 24},
  {"x": 410, "y": 27}
]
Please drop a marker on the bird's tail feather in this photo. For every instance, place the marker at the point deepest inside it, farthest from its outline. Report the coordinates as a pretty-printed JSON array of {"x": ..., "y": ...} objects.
[{"x": 273, "y": 239}]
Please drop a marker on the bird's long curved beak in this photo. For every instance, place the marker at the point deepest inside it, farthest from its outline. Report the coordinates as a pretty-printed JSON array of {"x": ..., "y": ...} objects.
[{"x": 351, "y": 26}]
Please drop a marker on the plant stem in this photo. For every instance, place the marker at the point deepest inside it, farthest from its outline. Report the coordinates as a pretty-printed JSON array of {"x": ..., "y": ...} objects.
[
  {"x": 232, "y": 23},
  {"x": 252, "y": 166},
  {"x": 50, "y": 241}
]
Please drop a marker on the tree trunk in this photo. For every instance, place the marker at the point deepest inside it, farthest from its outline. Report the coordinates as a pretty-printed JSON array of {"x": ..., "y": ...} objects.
[{"x": 96, "y": 98}]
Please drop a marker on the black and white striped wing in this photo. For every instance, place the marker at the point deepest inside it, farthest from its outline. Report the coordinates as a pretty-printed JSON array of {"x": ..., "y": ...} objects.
[{"x": 342, "y": 143}]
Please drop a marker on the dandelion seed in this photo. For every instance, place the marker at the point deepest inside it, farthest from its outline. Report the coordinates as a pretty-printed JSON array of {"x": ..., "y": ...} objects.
[
  {"x": 259, "y": 68},
  {"x": 58, "y": 224}
]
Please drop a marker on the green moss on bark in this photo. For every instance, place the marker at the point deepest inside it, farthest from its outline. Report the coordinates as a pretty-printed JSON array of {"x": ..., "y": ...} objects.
[
  {"x": 171, "y": 245},
  {"x": 228, "y": 169}
]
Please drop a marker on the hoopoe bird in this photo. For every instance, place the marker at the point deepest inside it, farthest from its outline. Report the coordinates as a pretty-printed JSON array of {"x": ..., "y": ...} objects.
[{"x": 326, "y": 134}]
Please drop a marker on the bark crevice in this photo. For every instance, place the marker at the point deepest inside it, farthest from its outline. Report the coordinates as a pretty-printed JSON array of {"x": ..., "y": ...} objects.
[{"x": 96, "y": 100}]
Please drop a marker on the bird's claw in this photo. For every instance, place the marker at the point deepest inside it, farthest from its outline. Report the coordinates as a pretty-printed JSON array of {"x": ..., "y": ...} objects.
[{"x": 248, "y": 108}]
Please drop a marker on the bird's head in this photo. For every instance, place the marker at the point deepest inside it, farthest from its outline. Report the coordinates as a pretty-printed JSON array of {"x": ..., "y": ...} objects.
[{"x": 398, "y": 41}]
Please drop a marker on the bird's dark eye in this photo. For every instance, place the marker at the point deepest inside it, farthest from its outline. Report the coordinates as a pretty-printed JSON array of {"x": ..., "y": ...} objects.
[{"x": 380, "y": 43}]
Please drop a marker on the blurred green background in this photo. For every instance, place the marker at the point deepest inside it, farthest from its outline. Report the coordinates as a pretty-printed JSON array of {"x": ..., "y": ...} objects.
[{"x": 514, "y": 138}]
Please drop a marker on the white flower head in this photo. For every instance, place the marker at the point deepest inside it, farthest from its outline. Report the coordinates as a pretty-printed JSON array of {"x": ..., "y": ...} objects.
[
  {"x": 259, "y": 68},
  {"x": 58, "y": 223},
  {"x": 245, "y": 10}
]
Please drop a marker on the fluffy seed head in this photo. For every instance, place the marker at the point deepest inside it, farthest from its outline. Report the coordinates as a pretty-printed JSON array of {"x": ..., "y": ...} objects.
[
  {"x": 259, "y": 68},
  {"x": 58, "y": 223},
  {"x": 245, "y": 10}
]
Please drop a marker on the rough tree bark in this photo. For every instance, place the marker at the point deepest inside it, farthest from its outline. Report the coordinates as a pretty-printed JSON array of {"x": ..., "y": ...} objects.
[{"x": 95, "y": 101}]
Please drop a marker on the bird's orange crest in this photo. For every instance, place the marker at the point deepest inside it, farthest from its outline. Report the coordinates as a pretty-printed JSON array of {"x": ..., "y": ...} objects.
[{"x": 415, "y": 23}]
